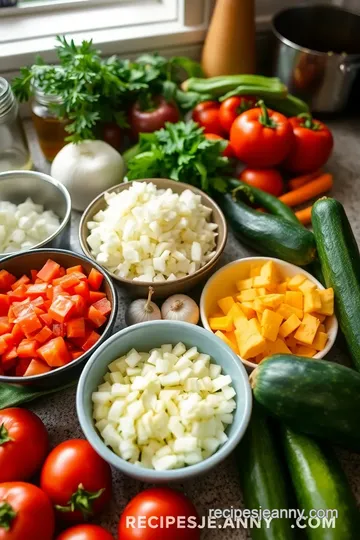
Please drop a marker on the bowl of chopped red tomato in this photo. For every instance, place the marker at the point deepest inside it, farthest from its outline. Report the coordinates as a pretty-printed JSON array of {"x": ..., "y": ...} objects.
[{"x": 56, "y": 307}]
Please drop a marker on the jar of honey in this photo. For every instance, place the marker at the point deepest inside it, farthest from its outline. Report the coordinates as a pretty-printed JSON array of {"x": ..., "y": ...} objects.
[{"x": 49, "y": 127}]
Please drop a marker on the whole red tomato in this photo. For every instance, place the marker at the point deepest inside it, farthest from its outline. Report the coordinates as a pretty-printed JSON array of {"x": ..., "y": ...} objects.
[
  {"x": 228, "y": 152},
  {"x": 261, "y": 138},
  {"x": 25, "y": 513},
  {"x": 141, "y": 519},
  {"x": 269, "y": 180},
  {"x": 207, "y": 115},
  {"x": 77, "y": 480},
  {"x": 24, "y": 444},
  {"x": 232, "y": 107},
  {"x": 154, "y": 116},
  {"x": 85, "y": 532},
  {"x": 112, "y": 134},
  {"x": 312, "y": 146}
]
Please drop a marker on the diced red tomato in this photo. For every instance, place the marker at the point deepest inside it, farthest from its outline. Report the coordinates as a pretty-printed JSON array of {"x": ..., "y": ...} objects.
[
  {"x": 69, "y": 281},
  {"x": 96, "y": 317},
  {"x": 49, "y": 271},
  {"x": 77, "y": 268},
  {"x": 21, "y": 366},
  {"x": 94, "y": 296},
  {"x": 4, "y": 304},
  {"x": 55, "y": 352},
  {"x": 11, "y": 315},
  {"x": 50, "y": 292},
  {"x": 36, "y": 290},
  {"x": 3, "y": 345},
  {"x": 61, "y": 308},
  {"x": 75, "y": 328},
  {"x": 5, "y": 325},
  {"x": 6, "y": 280},
  {"x": 17, "y": 333},
  {"x": 46, "y": 319},
  {"x": 91, "y": 340},
  {"x": 30, "y": 322},
  {"x": 80, "y": 306},
  {"x": 39, "y": 301},
  {"x": 27, "y": 348},
  {"x": 95, "y": 279},
  {"x": 76, "y": 354},
  {"x": 82, "y": 289},
  {"x": 44, "y": 335},
  {"x": 35, "y": 368},
  {"x": 18, "y": 294},
  {"x": 33, "y": 274},
  {"x": 62, "y": 271},
  {"x": 19, "y": 308},
  {"x": 103, "y": 306},
  {"x": 58, "y": 329},
  {"x": 24, "y": 280},
  {"x": 8, "y": 356}
]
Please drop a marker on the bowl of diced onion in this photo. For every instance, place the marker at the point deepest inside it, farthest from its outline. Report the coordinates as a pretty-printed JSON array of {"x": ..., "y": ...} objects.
[
  {"x": 164, "y": 401},
  {"x": 154, "y": 232},
  {"x": 35, "y": 212}
]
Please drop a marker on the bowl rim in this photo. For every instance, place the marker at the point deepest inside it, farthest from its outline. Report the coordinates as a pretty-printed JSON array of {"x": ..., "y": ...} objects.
[
  {"x": 220, "y": 246},
  {"x": 111, "y": 320},
  {"x": 50, "y": 180},
  {"x": 151, "y": 475},
  {"x": 299, "y": 269}
]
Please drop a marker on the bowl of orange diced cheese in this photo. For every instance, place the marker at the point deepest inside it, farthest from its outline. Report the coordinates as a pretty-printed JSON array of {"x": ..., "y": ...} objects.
[{"x": 262, "y": 306}]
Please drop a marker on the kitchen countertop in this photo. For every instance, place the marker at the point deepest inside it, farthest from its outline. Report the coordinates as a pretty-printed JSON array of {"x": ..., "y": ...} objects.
[{"x": 220, "y": 488}]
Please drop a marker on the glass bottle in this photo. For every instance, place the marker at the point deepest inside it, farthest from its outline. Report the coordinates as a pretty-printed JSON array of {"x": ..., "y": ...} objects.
[
  {"x": 14, "y": 150},
  {"x": 49, "y": 127}
]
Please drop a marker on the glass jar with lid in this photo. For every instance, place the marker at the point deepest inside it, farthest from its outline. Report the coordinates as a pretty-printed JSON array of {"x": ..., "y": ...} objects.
[
  {"x": 49, "y": 127},
  {"x": 14, "y": 150}
]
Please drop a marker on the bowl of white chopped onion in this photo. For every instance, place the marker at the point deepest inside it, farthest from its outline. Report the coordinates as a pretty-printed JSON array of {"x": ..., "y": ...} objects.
[
  {"x": 164, "y": 401},
  {"x": 35, "y": 212},
  {"x": 154, "y": 232}
]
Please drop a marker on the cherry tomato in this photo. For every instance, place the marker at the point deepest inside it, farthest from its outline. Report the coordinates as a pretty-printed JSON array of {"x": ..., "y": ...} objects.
[
  {"x": 232, "y": 107},
  {"x": 112, "y": 134},
  {"x": 85, "y": 532},
  {"x": 154, "y": 505},
  {"x": 269, "y": 180},
  {"x": 24, "y": 444},
  {"x": 25, "y": 513},
  {"x": 228, "y": 152},
  {"x": 312, "y": 146},
  {"x": 207, "y": 115},
  {"x": 261, "y": 138},
  {"x": 76, "y": 479},
  {"x": 147, "y": 121}
]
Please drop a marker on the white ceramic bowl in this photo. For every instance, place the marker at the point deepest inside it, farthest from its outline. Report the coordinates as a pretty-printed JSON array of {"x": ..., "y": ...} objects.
[{"x": 222, "y": 283}]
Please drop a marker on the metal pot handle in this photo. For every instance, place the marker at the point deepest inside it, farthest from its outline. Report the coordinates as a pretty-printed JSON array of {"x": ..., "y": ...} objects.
[{"x": 348, "y": 67}]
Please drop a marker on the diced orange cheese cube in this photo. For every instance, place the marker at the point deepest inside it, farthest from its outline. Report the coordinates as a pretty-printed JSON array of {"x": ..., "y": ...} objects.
[
  {"x": 295, "y": 282},
  {"x": 255, "y": 270},
  {"x": 232, "y": 338},
  {"x": 242, "y": 324},
  {"x": 322, "y": 328},
  {"x": 251, "y": 343},
  {"x": 226, "y": 303},
  {"x": 295, "y": 299},
  {"x": 307, "y": 285},
  {"x": 236, "y": 312},
  {"x": 289, "y": 326},
  {"x": 327, "y": 302},
  {"x": 270, "y": 324},
  {"x": 261, "y": 291},
  {"x": 226, "y": 340},
  {"x": 291, "y": 342},
  {"x": 272, "y": 300},
  {"x": 269, "y": 272},
  {"x": 258, "y": 305},
  {"x": 249, "y": 311},
  {"x": 282, "y": 288},
  {"x": 244, "y": 284},
  {"x": 312, "y": 301},
  {"x": 218, "y": 314},
  {"x": 302, "y": 350},
  {"x": 320, "y": 341},
  {"x": 307, "y": 330},
  {"x": 247, "y": 295},
  {"x": 277, "y": 347},
  {"x": 221, "y": 323},
  {"x": 259, "y": 316},
  {"x": 319, "y": 316},
  {"x": 286, "y": 311},
  {"x": 261, "y": 281}
]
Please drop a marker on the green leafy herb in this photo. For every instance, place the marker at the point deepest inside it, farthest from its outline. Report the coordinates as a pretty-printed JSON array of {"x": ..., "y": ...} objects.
[{"x": 180, "y": 152}]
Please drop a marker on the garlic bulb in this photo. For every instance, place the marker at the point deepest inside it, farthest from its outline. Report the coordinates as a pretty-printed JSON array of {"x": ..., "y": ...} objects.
[
  {"x": 180, "y": 307},
  {"x": 87, "y": 169},
  {"x": 142, "y": 310}
]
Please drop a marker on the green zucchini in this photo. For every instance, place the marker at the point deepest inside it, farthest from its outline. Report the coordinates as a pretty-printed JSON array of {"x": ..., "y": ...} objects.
[
  {"x": 340, "y": 263},
  {"x": 262, "y": 479},
  {"x": 289, "y": 106},
  {"x": 316, "y": 397},
  {"x": 266, "y": 200},
  {"x": 320, "y": 485},
  {"x": 268, "y": 234},
  {"x": 217, "y": 86}
]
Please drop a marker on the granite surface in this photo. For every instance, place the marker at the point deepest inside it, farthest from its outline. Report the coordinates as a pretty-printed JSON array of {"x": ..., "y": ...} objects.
[{"x": 220, "y": 488}]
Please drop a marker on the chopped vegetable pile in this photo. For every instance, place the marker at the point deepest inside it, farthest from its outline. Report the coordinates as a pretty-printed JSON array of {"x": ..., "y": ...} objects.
[
  {"x": 164, "y": 409},
  {"x": 49, "y": 319},
  {"x": 151, "y": 234},
  {"x": 25, "y": 225}
]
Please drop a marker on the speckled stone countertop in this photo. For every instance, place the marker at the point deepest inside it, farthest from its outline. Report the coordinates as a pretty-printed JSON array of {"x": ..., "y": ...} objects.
[{"x": 219, "y": 489}]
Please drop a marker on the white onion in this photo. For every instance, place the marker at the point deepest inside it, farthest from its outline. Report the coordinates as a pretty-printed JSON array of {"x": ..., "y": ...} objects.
[
  {"x": 142, "y": 310},
  {"x": 180, "y": 307}
]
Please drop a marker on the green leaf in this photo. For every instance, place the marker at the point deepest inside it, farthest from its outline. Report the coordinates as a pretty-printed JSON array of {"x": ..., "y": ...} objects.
[{"x": 189, "y": 66}]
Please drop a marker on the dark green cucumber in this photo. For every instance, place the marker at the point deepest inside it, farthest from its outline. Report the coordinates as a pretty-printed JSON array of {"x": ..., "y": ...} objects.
[
  {"x": 340, "y": 263},
  {"x": 262, "y": 478},
  {"x": 266, "y": 200},
  {"x": 289, "y": 106},
  {"x": 316, "y": 397},
  {"x": 269, "y": 235},
  {"x": 218, "y": 86},
  {"x": 320, "y": 485}
]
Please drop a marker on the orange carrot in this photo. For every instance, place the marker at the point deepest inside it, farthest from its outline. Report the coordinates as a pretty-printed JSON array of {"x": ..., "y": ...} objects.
[
  {"x": 299, "y": 181},
  {"x": 304, "y": 215},
  {"x": 314, "y": 188}
]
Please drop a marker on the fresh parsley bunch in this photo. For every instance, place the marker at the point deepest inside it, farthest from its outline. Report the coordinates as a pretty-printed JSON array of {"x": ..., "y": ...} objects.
[{"x": 181, "y": 152}]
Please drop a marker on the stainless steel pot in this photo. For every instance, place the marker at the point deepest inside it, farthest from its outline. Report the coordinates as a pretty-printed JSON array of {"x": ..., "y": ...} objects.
[{"x": 318, "y": 54}]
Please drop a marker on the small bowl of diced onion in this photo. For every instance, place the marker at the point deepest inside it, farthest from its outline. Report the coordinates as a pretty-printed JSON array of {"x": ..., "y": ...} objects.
[
  {"x": 164, "y": 401},
  {"x": 35, "y": 212},
  {"x": 154, "y": 232}
]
